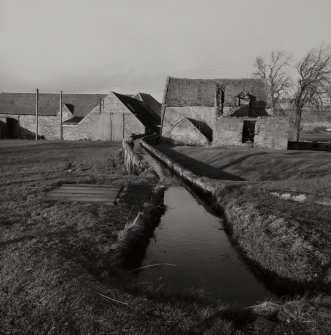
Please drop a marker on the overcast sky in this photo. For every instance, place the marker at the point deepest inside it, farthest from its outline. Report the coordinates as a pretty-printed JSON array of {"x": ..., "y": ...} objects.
[{"x": 92, "y": 46}]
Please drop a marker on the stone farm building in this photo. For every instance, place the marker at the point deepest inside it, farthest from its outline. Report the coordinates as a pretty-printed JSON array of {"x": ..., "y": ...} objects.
[
  {"x": 85, "y": 116},
  {"x": 221, "y": 112}
]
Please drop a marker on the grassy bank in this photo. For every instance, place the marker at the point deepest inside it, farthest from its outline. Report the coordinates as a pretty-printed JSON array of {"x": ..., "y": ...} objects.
[
  {"x": 249, "y": 164},
  {"x": 286, "y": 237},
  {"x": 57, "y": 274}
]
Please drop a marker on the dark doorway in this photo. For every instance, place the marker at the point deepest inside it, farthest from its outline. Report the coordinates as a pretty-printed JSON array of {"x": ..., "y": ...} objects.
[
  {"x": 248, "y": 131},
  {"x": 2, "y": 132},
  {"x": 11, "y": 128}
]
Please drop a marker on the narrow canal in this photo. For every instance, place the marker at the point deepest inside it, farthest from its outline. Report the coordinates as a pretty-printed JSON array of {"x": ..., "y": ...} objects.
[{"x": 201, "y": 255}]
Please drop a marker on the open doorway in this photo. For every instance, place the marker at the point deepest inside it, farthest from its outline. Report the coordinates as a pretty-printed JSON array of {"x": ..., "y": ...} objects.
[
  {"x": 12, "y": 128},
  {"x": 248, "y": 131}
]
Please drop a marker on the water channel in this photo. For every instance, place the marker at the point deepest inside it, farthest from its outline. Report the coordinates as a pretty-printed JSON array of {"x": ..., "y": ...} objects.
[{"x": 193, "y": 239}]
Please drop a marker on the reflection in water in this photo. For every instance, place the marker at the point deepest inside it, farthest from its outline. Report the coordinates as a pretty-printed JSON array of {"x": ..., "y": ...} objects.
[{"x": 194, "y": 240}]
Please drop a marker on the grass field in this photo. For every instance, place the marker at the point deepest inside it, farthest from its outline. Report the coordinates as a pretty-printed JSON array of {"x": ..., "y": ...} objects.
[
  {"x": 249, "y": 164},
  {"x": 56, "y": 276},
  {"x": 258, "y": 189},
  {"x": 317, "y": 134}
]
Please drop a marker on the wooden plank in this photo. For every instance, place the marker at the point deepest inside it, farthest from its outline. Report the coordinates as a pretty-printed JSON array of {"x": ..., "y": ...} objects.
[
  {"x": 80, "y": 197},
  {"x": 75, "y": 199},
  {"x": 59, "y": 194},
  {"x": 90, "y": 185},
  {"x": 84, "y": 193},
  {"x": 88, "y": 189}
]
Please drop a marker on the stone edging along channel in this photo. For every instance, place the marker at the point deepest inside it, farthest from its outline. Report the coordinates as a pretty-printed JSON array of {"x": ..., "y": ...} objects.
[
  {"x": 249, "y": 229},
  {"x": 137, "y": 232},
  {"x": 205, "y": 184},
  {"x": 133, "y": 163}
]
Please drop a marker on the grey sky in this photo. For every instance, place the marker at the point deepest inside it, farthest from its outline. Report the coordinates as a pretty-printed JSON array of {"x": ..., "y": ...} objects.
[{"x": 130, "y": 45}]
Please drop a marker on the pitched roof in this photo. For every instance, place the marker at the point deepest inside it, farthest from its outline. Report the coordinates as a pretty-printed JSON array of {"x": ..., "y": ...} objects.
[
  {"x": 74, "y": 120},
  {"x": 24, "y": 103},
  {"x": 201, "y": 92},
  {"x": 243, "y": 111},
  {"x": 138, "y": 108},
  {"x": 151, "y": 103}
]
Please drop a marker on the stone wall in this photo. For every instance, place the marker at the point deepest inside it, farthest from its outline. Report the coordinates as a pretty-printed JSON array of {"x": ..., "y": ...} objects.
[
  {"x": 173, "y": 115},
  {"x": 48, "y": 125},
  {"x": 228, "y": 132},
  {"x": 71, "y": 132},
  {"x": 186, "y": 133},
  {"x": 270, "y": 132},
  {"x": 112, "y": 123}
]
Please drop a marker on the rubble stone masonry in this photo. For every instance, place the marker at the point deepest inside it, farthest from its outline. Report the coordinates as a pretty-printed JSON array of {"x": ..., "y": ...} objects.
[{"x": 270, "y": 132}]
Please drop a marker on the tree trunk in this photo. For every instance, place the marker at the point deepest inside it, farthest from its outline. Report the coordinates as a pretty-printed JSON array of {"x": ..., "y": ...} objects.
[{"x": 297, "y": 124}]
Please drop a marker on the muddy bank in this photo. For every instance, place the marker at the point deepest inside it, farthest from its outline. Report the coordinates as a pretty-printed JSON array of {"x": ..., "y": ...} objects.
[
  {"x": 136, "y": 233},
  {"x": 277, "y": 244}
]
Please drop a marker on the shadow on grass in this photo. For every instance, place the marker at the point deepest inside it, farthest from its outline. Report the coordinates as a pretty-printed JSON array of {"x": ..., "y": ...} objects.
[{"x": 204, "y": 169}]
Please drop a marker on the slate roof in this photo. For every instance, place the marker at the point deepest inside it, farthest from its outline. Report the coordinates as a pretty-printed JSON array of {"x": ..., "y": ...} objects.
[
  {"x": 74, "y": 120},
  {"x": 151, "y": 103},
  {"x": 201, "y": 92},
  {"x": 24, "y": 103},
  {"x": 138, "y": 108},
  {"x": 243, "y": 111}
]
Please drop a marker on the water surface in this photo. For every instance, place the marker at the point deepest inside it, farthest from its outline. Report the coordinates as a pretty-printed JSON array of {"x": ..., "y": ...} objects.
[{"x": 193, "y": 239}]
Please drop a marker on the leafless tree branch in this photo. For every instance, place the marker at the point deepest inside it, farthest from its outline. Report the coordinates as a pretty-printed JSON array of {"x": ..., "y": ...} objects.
[
  {"x": 313, "y": 87},
  {"x": 275, "y": 73}
]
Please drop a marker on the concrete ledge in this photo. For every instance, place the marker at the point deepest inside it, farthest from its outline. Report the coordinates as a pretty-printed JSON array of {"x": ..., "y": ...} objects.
[{"x": 204, "y": 184}]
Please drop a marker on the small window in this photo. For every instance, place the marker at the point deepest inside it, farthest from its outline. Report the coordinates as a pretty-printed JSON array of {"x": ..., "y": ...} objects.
[{"x": 248, "y": 131}]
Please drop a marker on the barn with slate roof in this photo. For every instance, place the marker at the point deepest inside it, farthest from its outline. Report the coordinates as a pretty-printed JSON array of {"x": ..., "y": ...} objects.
[
  {"x": 17, "y": 112},
  {"x": 84, "y": 116},
  {"x": 118, "y": 116},
  {"x": 220, "y": 112}
]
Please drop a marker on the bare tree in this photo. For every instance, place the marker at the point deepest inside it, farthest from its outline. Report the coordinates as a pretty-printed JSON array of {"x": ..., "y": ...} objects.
[
  {"x": 314, "y": 83},
  {"x": 275, "y": 72}
]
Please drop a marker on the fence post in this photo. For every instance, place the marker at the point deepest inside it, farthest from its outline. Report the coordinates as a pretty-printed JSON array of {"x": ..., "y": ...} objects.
[
  {"x": 37, "y": 111},
  {"x": 61, "y": 117}
]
